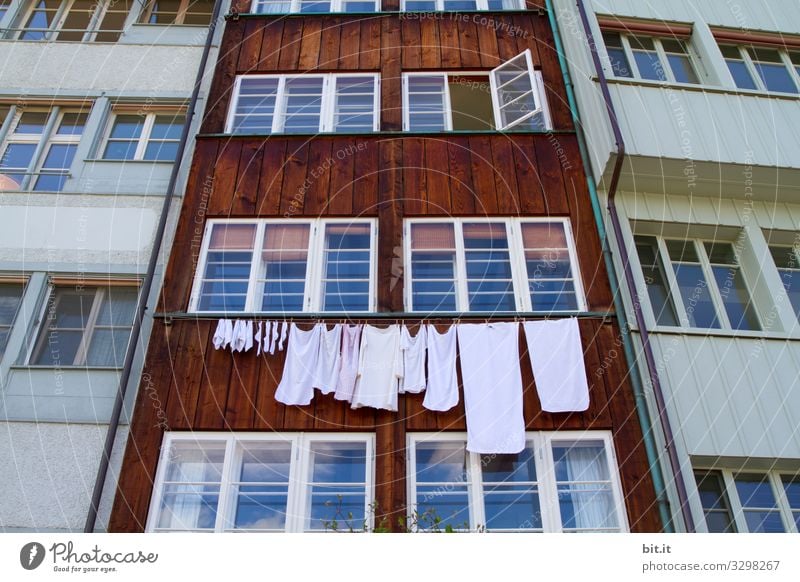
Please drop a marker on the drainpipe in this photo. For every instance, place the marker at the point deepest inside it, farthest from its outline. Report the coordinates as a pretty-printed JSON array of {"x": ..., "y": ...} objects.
[
  {"x": 630, "y": 282},
  {"x": 147, "y": 284},
  {"x": 642, "y": 410}
]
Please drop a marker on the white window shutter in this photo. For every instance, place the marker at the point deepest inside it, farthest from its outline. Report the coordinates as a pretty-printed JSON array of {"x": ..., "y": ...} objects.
[{"x": 514, "y": 93}]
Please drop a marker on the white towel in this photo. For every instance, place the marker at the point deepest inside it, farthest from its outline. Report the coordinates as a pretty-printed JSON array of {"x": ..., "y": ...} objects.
[
  {"x": 556, "y": 354},
  {"x": 442, "y": 391},
  {"x": 490, "y": 371}
]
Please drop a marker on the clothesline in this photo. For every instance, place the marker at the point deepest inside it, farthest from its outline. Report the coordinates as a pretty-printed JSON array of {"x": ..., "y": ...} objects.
[{"x": 370, "y": 366}]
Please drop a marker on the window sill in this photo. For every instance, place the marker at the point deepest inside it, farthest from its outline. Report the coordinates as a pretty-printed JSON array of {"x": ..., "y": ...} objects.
[
  {"x": 103, "y": 160},
  {"x": 702, "y": 88},
  {"x": 384, "y": 134},
  {"x": 722, "y": 333},
  {"x": 64, "y": 368}
]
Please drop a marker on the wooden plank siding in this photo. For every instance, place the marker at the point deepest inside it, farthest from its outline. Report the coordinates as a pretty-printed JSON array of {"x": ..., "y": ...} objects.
[{"x": 187, "y": 385}]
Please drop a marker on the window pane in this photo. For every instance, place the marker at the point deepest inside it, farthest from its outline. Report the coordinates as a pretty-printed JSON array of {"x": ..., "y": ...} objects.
[
  {"x": 10, "y": 299},
  {"x": 738, "y": 68},
  {"x": 649, "y": 65},
  {"x": 72, "y": 124},
  {"x": 17, "y": 156},
  {"x": 162, "y": 151},
  {"x": 616, "y": 55},
  {"x": 255, "y": 106},
  {"x": 791, "y": 487},
  {"x": 732, "y": 287},
  {"x": 488, "y": 266},
  {"x": 584, "y": 486},
  {"x": 773, "y": 73},
  {"x": 786, "y": 261},
  {"x": 107, "y": 347},
  {"x": 551, "y": 281},
  {"x": 41, "y": 19},
  {"x": 263, "y": 490},
  {"x": 346, "y": 270},
  {"x": 356, "y": 6},
  {"x": 656, "y": 281},
  {"x": 433, "y": 267},
  {"x": 303, "y": 104},
  {"x": 167, "y": 127},
  {"x": 120, "y": 150},
  {"x": 426, "y": 103},
  {"x": 338, "y": 485},
  {"x": 471, "y": 102},
  {"x": 65, "y": 321},
  {"x": 355, "y": 104},
  {"x": 516, "y": 93},
  {"x": 227, "y": 268},
  {"x": 682, "y": 68},
  {"x": 285, "y": 261},
  {"x": 511, "y": 494},
  {"x": 271, "y": 7},
  {"x": 758, "y": 503},
  {"x": 309, "y": 6},
  {"x": 460, "y": 5},
  {"x": 442, "y": 491},
  {"x": 714, "y": 502}
]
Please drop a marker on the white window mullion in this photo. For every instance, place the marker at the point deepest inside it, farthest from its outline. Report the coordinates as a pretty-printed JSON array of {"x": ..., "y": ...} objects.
[
  {"x": 376, "y": 111},
  {"x": 226, "y": 501},
  {"x": 733, "y": 499},
  {"x": 662, "y": 58},
  {"x": 626, "y": 45},
  {"x": 577, "y": 278},
  {"x": 279, "y": 116},
  {"x": 462, "y": 292},
  {"x": 548, "y": 488},
  {"x": 298, "y": 488},
  {"x": 672, "y": 283},
  {"x": 406, "y": 103},
  {"x": 144, "y": 137},
  {"x": 316, "y": 249},
  {"x": 783, "y": 503},
  {"x": 327, "y": 103},
  {"x": 751, "y": 68},
  {"x": 477, "y": 507},
  {"x": 516, "y": 256},
  {"x": 256, "y": 270},
  {"x": 373, "y": 265},
  {"x": 448, "y": 119},
  {"x": 713, "y": 288}
]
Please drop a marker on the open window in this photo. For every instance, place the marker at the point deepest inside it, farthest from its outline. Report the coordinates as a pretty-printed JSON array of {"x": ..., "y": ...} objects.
[{"x": 510, "y": 97}]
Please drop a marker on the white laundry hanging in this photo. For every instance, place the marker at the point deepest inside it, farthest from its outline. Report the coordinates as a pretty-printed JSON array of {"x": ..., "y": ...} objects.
[
  {"x": 242, "y": 336},
  {"x": 492, "y": 382},
  {"x": 297, "y": 383},
  {"x": 273, "y": 342},
  {"x": 259, "y": 330},
  {"x": 328, "y": 361},
  {"x": 442, "y": 391},
  {"x": 556, "y": 353},
  {"x": 223, "y": 334},
  {"x": 348, "y": 371},
  {"x": 414, "y": 349},
  {"x": 380, "y": 368},
  {"x": 284, "y": 328}
]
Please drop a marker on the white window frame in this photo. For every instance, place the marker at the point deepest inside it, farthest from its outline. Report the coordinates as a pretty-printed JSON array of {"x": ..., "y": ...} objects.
[
  {"x": 90, "y": 33},
  {"x": 336, "y": 6},
  {"x": 737, "y": 511},
  {"x": 298, "y": 494},
  {"x": 327, "y": 107},
  {"x": 711, "y": 283},
  {"x": 183, "y": 10},
  {"x": 42, "y": 141},
  {"x": 481, "y": 5},
  {"x": 144, "y": 138},
  {"x": 9, "y": 327},
  {"x": 516, "y": 250},
  {"x": 662, "y": 59},
  {"x": 744, "y": 55},
  {"x": 539, "y": 89},
  {"x": 42, "y": 333},
  {"x": 312, "y": 299},
  {"x": 543, "y": 456}
]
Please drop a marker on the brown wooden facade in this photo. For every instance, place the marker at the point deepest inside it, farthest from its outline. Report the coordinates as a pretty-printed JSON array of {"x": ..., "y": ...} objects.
[{"x": 188, "y": 385}]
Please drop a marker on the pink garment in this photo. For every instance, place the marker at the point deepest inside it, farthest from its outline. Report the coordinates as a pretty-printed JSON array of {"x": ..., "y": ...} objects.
[{"x": 351, "y": 339}]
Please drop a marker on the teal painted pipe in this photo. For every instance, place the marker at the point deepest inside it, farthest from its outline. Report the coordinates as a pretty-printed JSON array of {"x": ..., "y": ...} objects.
[{"x": 638, "y": 391}]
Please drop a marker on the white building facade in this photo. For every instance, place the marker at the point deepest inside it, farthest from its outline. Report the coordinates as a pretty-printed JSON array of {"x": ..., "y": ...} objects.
[
  {"x": 93, "y": 100},
  {"x": 707, "y": 98}
]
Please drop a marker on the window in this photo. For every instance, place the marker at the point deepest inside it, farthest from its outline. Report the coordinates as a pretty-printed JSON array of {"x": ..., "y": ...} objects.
[
  {"x": 150, "y": 136},
  {"x": 10, "y": 299},
  {"x": 4, "y": 4},
  {"x": 703, "y": 286},
  {"x": 749, "y": 501},
  {"x": 40, "y": 146},
  {"x": 763, "y": 68},
  {"x": 301, "y": 265},
  {"x": 509, "y": 97},
  {"x": 653, "y": 58},
  {"x": 441, "y": 5},
  {"x": 196, "y": 12},
  {"x": 472, "y": 264},
  {"x": 86, "y": 326},
  {"x": 312, "y": 6},
  {"x": 788, "y": 263},
  {"x": 304, "y": 104},
  {"x": 76, "y": 20},
  {"x": 560, "y": 482},
  {"x": 258, "y": 482}
]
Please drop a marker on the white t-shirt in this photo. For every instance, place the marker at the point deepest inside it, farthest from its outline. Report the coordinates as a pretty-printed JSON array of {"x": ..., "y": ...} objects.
[
  {"x": 414, "y": 349},
  {"x": 492, "y": 387},
  {"x": 442, "y": 391},
  {"x": 380, "y": 368},
  {"x": 297, "y": 382}
]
